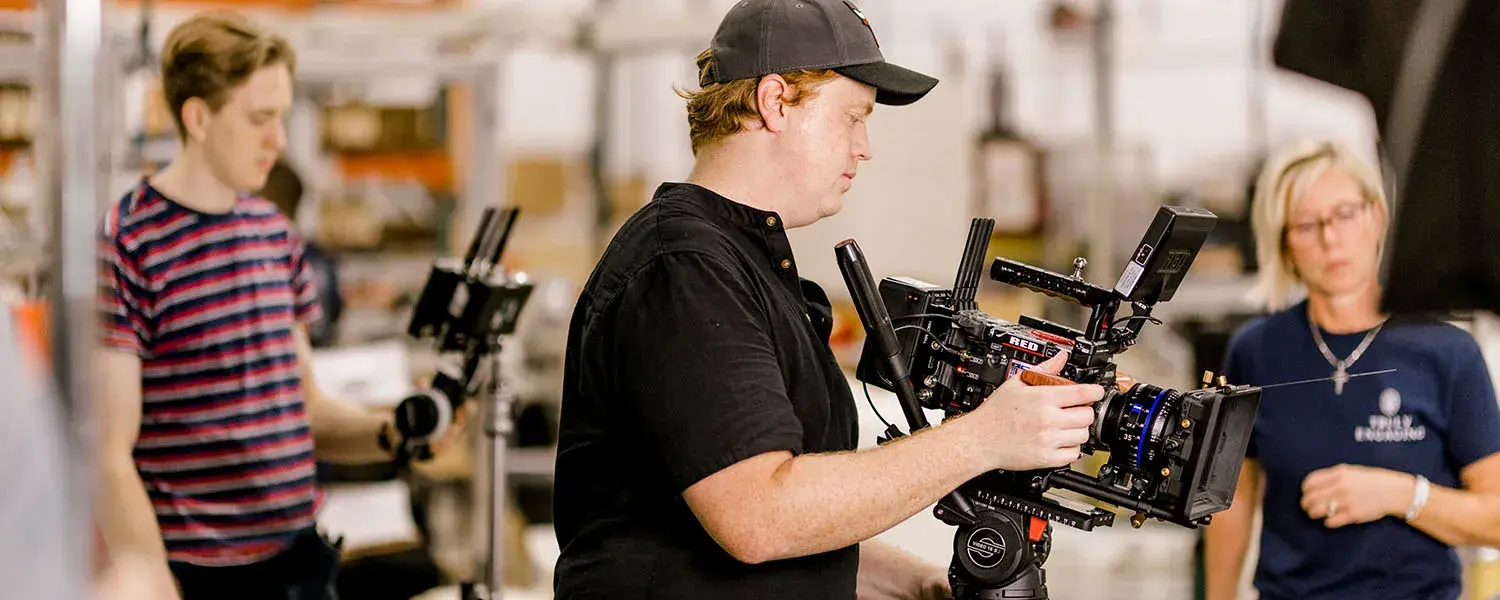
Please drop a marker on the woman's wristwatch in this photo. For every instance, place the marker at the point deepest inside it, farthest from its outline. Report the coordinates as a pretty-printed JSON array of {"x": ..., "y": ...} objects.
[{"x": 1418, "y": 498}]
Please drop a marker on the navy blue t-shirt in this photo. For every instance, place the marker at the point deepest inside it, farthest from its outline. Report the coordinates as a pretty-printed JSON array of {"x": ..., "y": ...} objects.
[{"x": 1435, "y": 415}]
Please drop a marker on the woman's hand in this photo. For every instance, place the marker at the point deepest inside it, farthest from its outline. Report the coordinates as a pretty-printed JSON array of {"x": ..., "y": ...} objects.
[{"x": 1351, "y": 494}]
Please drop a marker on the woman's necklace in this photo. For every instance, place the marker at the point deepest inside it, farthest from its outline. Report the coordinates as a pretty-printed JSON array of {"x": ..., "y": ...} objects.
[{"x": 1341, "y": 367}]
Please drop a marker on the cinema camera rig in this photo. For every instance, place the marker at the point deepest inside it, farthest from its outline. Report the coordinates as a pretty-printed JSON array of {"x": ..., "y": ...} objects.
[
  {"x": 466, "y": 308},
  {"x": 1172, "y": 455}
]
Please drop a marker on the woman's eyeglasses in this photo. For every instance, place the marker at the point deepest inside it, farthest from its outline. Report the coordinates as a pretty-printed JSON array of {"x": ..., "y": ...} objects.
[{"x": 1343, "y": 216}]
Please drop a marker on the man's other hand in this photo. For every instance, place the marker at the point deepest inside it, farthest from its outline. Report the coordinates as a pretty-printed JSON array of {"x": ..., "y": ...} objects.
[
  {"x": 935, "y": 586},
  {"x": 1024, "y": 427},
  {"x": 889, "y": 573}
]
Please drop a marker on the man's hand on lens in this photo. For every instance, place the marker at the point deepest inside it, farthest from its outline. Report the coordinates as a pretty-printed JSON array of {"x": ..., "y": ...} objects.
[{"x": 1036, "y": 427}]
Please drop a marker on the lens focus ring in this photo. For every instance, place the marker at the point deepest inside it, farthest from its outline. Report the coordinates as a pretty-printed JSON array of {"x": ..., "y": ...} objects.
[{"x": 1135, "y": 426}]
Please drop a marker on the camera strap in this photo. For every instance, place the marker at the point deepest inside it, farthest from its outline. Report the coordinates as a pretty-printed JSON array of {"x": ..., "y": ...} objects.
[{"x": 1426, "y": 49}]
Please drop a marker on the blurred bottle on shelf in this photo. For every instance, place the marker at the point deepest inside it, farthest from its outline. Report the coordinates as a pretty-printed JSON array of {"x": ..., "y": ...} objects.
[
  {"x": 21, "y": 228},
  {"x": 1009, "y": 166}
]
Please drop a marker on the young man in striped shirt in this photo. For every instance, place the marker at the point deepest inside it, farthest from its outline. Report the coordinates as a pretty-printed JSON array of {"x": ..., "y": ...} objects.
[{"x": 211, "y": 419}]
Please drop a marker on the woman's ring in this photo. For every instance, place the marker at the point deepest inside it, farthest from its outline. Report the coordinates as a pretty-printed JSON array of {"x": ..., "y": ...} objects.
[{"x": 1333, "y": 508}]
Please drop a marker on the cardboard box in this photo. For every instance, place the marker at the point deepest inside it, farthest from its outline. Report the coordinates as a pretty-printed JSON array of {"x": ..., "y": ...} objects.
[
  {"x": 538, "y": 184},
  {"x": 347, "y": 223},
  {"x": 572, "y": 262},
  {"x": 627, "y": 194}
]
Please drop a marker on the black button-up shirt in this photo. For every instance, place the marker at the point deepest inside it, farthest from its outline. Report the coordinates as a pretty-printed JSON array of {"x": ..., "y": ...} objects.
[{"x": 694, "y": 345}]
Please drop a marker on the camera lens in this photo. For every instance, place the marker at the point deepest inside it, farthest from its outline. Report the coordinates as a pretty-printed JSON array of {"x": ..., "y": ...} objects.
[{"x": 1132, "y": 425}]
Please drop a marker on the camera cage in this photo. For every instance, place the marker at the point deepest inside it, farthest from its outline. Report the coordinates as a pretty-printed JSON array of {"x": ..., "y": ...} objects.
[{"x": 1172, "y": 455}]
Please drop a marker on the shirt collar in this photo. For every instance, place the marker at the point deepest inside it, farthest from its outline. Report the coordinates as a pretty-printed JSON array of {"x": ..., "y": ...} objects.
[
  {"x": 739, "y": 214},
  {"x": 763, "y": 228}
]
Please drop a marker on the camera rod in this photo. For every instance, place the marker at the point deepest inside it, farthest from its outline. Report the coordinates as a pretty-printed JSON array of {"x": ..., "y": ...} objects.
[
  {"x": 877, "y": 323},
  {"x": 489, "y": 241}
]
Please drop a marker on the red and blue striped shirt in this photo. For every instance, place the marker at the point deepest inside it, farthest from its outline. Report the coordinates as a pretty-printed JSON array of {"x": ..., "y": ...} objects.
[{"x": 209, "y": 302}]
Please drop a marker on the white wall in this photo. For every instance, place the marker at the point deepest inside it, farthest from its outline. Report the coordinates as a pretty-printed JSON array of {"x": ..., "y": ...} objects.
[
  {"x": 1188, "y": 88},
  {"x": 1183, "y": 86},
  {"x": 1192, "y": 104}
]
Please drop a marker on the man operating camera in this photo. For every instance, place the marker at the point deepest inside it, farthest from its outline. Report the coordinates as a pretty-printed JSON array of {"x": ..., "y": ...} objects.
[{"x": 707, "y": 437}]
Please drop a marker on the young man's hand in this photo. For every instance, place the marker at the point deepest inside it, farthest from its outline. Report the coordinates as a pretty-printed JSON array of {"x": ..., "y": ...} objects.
[
  {"x": 456, "y": 435},
  {"x": 451, "y": 457}
]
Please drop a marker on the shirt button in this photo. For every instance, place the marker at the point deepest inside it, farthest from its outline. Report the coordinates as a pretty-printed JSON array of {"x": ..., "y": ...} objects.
[
  {"x": 770, "y": 221},
  {"x": 786, "y": 263}
]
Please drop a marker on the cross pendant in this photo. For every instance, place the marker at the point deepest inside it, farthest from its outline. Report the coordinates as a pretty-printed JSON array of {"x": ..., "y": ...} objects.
[{"x": 1339, "y": 377}]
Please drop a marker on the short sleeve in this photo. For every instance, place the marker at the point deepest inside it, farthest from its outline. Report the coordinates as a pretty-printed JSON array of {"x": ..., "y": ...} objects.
[
  {"x": 695, "y": 361},
  {"x": 123, "y": 298},
  {"x": 304, "y": 282},
  {"x": 1474, "y": 416}
]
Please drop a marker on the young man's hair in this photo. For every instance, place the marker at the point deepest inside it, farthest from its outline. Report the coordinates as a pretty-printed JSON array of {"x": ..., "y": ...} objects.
[
  {"x": 212, "y": 53},
  {"x": 722, "y": 109}
]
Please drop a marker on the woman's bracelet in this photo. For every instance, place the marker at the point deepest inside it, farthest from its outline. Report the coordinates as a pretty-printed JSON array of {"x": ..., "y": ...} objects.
[{"x": 1418, "y": 498}]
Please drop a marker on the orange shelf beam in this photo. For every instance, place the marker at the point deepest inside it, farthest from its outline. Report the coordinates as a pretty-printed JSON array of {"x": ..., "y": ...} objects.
[{"x": 433, "y": 169}]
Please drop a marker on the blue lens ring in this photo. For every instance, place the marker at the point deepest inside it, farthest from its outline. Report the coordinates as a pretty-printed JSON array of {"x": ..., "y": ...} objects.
[{"x": 1140, "y": 451}]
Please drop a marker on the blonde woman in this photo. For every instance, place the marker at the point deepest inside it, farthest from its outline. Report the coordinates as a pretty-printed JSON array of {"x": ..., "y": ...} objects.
[{"x": 1365, "y": 483}]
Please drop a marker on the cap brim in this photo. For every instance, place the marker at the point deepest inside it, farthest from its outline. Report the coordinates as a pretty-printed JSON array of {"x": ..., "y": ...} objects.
[{"x": 894, "y": 85}]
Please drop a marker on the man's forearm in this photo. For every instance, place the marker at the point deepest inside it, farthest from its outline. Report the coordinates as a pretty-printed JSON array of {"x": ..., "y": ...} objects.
[
  {"x": 342, "y": 432},
  {"x": 822, "y": 502},
  {"x": 346, "y": 433},
  {"x": 126, "y": 517}
]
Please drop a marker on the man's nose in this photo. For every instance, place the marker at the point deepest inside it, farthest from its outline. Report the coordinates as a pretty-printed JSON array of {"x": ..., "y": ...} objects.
[
  {"x": 862, "y": 149},
  {"x": 277, "y": 139}
]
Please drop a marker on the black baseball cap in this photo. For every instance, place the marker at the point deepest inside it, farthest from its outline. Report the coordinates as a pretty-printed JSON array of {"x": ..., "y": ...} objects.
[{"x": 761, "y": 37}]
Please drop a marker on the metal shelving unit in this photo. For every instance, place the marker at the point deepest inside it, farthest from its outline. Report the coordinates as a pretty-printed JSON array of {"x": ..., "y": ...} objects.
[{"x": 78, "y": 70}]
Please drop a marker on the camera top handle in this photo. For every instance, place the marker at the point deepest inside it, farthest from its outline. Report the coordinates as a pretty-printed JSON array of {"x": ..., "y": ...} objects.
[{"x": 1102, "y": 302}]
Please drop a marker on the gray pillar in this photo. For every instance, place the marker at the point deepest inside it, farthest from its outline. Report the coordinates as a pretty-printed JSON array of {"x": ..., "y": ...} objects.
[{"x": 70, "y": 167}]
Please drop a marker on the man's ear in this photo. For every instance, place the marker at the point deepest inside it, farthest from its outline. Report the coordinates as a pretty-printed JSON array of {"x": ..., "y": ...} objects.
[
  {"x": 770, "y": 100},
  {"x": 195, "y": 116}
]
